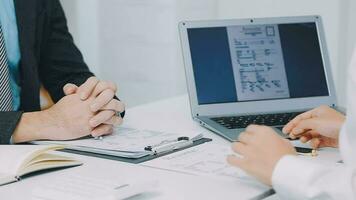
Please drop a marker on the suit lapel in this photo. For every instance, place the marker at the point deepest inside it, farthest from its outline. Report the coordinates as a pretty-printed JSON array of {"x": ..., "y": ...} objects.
[
  {"x": 26, "y": 25},
  {"x": 26, "y": 21}
]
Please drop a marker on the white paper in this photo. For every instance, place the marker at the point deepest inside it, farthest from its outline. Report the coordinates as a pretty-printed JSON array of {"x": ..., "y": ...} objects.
[
  {"x": 205, "y": 160},
  {"x": 6, "y": 178},
  {"x": 85, "y": 188},
  {"x": 124, "y": 142}
]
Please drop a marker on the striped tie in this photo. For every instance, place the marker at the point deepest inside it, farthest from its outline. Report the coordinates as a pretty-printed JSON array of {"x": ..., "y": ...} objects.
[{"x": 5, "y": 90}]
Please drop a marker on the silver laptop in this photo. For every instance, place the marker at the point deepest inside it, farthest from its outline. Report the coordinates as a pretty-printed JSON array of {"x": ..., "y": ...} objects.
[{"x": 255, "y": 71}]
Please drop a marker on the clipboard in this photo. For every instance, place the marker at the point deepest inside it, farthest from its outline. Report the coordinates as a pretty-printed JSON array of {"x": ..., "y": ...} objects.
[{"x": 138, "y": 160}]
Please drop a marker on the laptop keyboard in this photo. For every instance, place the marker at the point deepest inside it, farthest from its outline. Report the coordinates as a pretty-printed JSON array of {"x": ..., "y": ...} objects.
[{"x": 236, "y": 122}]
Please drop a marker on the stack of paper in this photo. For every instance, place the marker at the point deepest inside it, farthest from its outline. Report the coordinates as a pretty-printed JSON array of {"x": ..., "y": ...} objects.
[{"x": 124, "y": 142}]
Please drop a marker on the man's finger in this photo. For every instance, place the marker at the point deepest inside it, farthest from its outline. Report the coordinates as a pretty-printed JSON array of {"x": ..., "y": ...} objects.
[
  {"x": 103, "y": 85},
  {"x": 237, "y": 162},
  {"x": 239, "y": 148},
  {"x": 305, "y": 138},
  {"x": 303, "y": 126},
  {"x": 254, "y": 128},
  {"x": 115, "y": 121},
  {"x": 114, "y": 104},
  {"x": 294, "y": 122},
  {"x": 315, "y": 143},
  {"x": 245, "y": 137},
  {"x": 101, "y": 117},
  {"x": 87, "y": 88},
  {"x": 306, "y": 115},
  {"x": 69, "y": 89},
  {"x": 104, "y": 98},
  {"x": 101, "y": 130}
]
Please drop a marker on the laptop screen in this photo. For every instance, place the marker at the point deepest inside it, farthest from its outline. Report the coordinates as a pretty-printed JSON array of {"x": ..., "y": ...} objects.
[{"x": 257, "y": 62}]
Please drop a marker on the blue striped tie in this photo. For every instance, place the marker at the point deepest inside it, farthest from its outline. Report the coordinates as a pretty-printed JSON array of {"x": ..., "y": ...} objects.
[{"x": 6, "y": 103}]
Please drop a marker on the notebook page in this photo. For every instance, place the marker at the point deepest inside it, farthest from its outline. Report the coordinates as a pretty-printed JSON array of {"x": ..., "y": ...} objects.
[{"x": 13, "y": 156}]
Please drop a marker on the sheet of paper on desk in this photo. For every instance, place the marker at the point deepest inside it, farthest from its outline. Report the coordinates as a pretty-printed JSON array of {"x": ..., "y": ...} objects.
[
  {"x": 206, "y": 160},
  {"x": 83, "y": 188},
  {"x": 124, "y": 142}
]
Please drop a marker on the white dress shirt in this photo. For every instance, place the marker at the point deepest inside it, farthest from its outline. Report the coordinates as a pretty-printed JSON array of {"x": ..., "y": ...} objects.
[{"x": 298, "y": 178}]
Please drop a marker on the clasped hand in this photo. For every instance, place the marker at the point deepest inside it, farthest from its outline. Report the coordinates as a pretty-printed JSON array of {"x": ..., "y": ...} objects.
[
  {"x": 104, "y": 105},
  {"x": 88, "y": 109}
]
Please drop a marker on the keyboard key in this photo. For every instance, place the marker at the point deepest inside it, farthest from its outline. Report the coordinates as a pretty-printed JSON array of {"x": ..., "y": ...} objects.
[{"x": 235, "y": 122}]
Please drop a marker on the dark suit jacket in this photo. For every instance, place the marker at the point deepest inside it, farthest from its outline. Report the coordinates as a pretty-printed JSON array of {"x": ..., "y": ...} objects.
[{"x": 48, "y": 57}]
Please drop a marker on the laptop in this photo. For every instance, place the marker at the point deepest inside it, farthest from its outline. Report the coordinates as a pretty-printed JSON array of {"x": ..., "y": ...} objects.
[{"x": 260, "y": 71}]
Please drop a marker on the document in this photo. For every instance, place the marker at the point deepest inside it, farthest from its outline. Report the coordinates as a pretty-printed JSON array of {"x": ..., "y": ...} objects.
[
  {"x": 209, "y": 160},
  {"x": 258, "y": 62},
  {"x": 123, "y": 139},
  {"x": 77, "y": 187},
  {"x": 205, "y": 160},
  {"x": 124, "y": 142}
]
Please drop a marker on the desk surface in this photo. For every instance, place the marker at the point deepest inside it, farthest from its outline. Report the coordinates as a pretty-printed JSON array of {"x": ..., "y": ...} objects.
[{"x": 171, "y": 115}]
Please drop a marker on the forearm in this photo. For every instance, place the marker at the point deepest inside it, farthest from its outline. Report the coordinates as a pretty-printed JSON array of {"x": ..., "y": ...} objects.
[{"x": 33, "y": 126}]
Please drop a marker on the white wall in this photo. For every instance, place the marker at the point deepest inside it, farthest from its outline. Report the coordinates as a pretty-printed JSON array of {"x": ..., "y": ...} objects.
[
  {"x": 139, "y": 46},
  {"x": 349, "y": 27},
  {"x": 135, "y": 42},
  {"x": 347, "y": 39},
  {"x": 83, "y": 24}
]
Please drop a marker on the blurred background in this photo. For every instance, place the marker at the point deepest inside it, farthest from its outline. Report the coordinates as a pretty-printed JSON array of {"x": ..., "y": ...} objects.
[{"x": 136, "y": 44}]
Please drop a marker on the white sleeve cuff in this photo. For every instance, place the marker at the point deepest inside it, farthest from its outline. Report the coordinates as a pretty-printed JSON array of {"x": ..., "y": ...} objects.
[{"x": 292, "y": 176}]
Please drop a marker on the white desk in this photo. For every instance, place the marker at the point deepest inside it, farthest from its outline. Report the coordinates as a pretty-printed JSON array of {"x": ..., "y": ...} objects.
[{"x": 171, "y": 115}]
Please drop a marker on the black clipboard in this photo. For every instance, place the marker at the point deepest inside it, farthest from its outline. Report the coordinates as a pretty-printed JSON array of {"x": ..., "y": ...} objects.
[{"x": 136, "y": 160}]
